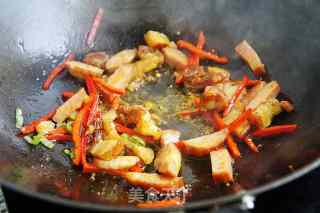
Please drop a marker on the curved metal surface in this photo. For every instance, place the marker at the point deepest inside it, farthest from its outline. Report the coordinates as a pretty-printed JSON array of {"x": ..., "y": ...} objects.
[{"x": 36, "y": 35}]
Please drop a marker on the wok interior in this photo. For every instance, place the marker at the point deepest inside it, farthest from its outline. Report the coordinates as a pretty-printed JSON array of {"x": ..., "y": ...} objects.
[{"x": 36, "y": 35}]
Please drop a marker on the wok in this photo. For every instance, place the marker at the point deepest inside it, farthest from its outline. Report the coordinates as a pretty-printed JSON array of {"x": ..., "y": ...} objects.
[{"x": 35, "y": 35}]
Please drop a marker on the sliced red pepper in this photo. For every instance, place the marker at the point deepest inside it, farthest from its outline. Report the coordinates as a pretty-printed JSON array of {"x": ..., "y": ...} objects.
[
  {"x": 56, "y": 71},
  {"x": 190, "y": 113},
  {"x": 179, "y": 77},
  {"x": 67, "y": 94},
  {"x": 161, "y": 204},
  {"x": 137, "y": 168},
  {"x": 249, "y": 142},
  {"x": 94, "y": 97},
  {"x": 236, "y": 95},
  {"x": 90, "y": 85},
  {"x": 77, "y": 130},
  {"x": 233, "y": 147},
  {"x": 275, "y": 130},
  {"x": 86, "y": 167},
  {"x": 242, "y": 118},
  {"x": 251, "y": 83},
  {"x": 194, "y": 59},
  {"x": 124, "y": 129},
  {"x": 59, "y": 130},
  {"x": 108, "y": 96},
  {"x": 59, "y": 137},
  {"x": 94, "y": 28},
  {"x": 203, "y": 54},
  {"x": 218, "y": 120},
  {"x": 31, "y": 127},
  {"x": 231, "y": 144},
  {"x": 109, "y": 87}
]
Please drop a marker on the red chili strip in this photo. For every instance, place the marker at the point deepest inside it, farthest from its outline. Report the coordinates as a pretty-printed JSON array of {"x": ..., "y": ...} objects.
[
  {"x": 67, "y": 94},
  {"x": 231, "y": 144},
  {"x": 275, "y": 130},
  {"x": 194, "y": 58},
  {"x": 242, "y": 118},
  {"x": 31, "y": 127},
  {"x": 59, "y": 137},
  {"x": 56, "y": 71},
  {"x": 94, "y": 28},
  {"x": 203, "y": 54},
  {"x": 236, "y": 95}
]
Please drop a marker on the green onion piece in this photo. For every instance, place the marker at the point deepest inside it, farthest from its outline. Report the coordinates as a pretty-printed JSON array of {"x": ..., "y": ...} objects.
[
  {"x": 125, "y": 137},
  {"x": 73, "y": 116},
  {"x": 133, "y": 139},
  {"x": 19, "y": 118},
  {"x": 137, "y": 140},
  {"x": 36, "y": 139},
  {"x": 45, "y": 142},
  {"x": 68, "y": 153},
  {"x": 28, "y": 139},
  {"x": 69, "y": 126}
]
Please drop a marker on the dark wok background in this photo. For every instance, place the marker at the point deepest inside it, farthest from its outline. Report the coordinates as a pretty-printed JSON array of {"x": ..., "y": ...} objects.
[{"x": 35, "y": 35}]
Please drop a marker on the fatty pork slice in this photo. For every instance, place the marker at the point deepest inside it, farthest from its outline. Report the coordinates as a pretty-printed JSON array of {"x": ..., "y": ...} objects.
[
  {"x": 121, "y": 58},
  {"x": 81, "y": 70},
  {"x": 168, "y": 160},
  {"x": 107, "y": 149},
  {"x": 118, "y": 163},
  {"x": 154, "y": 180},
  {"x": 175, "y": 58},
  {"x": 170, "y": 136},
  {"x": 221, "y": 166},
  {"x": 203, "y": 145},
  {"x": 262, "y": 116},
  {"x": 249, "y": 55},
  {"x": 270, "y": 90},
  {"x": 122, "y": 76},
  {"x": 215, "y": 98},
  {"x": 146, "y": 154},
  {"x": 70, "y": 106},
  {"x": 97, "y": 59}
]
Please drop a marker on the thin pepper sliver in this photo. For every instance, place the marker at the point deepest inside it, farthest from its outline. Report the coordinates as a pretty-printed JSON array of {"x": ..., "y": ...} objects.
[
  {"x": 109, "y": 87},
  {"x": 31, "y": 127},
  {"x": 236, "y": 95},
  {"x": 77, "y": 130},
  {"x": 203, "y": 54},
  {"x": 194, "y": 58},
  {"x": 56, "y": 71},
  {"x": 275, "y": 130},
  {"x": 231, "y": 144}
]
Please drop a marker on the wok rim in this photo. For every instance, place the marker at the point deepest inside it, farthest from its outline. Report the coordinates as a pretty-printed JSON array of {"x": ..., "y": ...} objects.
[{"x": 214, "y": 202}]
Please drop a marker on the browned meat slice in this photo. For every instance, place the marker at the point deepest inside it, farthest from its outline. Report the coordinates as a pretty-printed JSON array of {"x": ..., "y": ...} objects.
[
  {"x": 121, "y": 58},
  {"x": 81, "y": 70},
  {"x": 159, "y": 182},
  {"x": 270, "y": 90},
  {"x": 70, "y": 106},
  {"x": 203, "y": 145},
  {"x": 168, "y": 160},
  {"x": 175, "y": 58},
  {"x": 118, "y": 163},
  {"x": 97, "y": 59},
  {"x": 221, "y": 166},
  {"x": 249, "y": 55}
]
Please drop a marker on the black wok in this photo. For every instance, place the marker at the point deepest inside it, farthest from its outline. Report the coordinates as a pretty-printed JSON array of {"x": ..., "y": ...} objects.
[{"x": 35, "y": 35}]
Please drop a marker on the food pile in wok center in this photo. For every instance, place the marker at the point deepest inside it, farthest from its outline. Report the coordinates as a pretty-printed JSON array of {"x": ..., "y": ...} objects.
[{"x": 111, "y": 136}]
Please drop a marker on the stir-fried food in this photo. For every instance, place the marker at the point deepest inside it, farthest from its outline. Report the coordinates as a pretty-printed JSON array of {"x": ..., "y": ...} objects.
[{"x": 112, "y": 136}]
